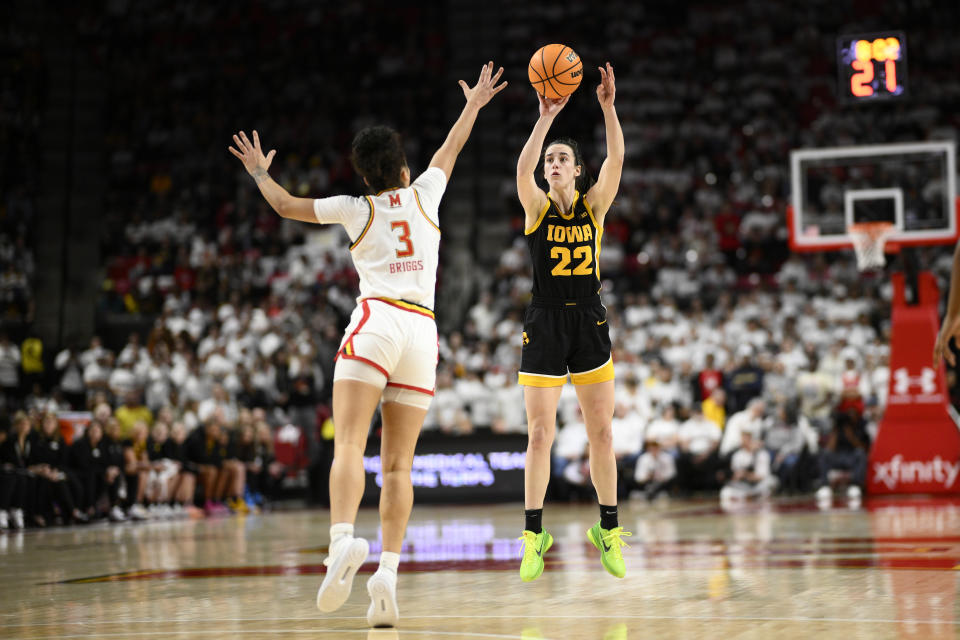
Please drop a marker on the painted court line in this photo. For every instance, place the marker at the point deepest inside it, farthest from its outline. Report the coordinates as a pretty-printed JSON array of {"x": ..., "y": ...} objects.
[
  {"x": 411, "y": 633},
  {"x": 485, "y": 617}
]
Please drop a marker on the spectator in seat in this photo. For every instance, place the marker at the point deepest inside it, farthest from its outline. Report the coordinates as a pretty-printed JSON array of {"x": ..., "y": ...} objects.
[
  {"x": 235, "y": 481},
  {"x": 750, "y": 419},
  {"x": 698, "y": 462},
  {"x": 787, "y": 440},
  {"x": 136, "y": 469},
  {"x": 845, "y": 451},
  {"x": 130, "y": 413},
  {"x": 570, "y": 459},
  {"x": 17, "y": 484},
  {"x": 9, "y": 372},
  {"x": 715, "y": 408},
  {"x": 447, "y": 411},
  {"x": 67, "y": 364},
  {"x": 164, "y": 473},
  {"x": 202, "y": 450},
  {"x": 745, "y": 381},
  {"x": 52, "y": 458},
  {"x": 752, "y": 476},
  {"x": 853, "y": 385},
  {"x": 815, "y": 390},
  {"x": 263, "y": 473},
  {"x": 708, "y": 379},
  {"x": 185, "y": 484},
  {"x": 664, "y": 429},
  {"x": 656, "y": 471},
  {"x": 101, "y": 480},
  {"x": 96, "y": 374}
]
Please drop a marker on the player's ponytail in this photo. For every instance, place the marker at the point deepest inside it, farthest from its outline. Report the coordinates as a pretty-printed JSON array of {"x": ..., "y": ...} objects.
[{"x": 585, "y": 180}]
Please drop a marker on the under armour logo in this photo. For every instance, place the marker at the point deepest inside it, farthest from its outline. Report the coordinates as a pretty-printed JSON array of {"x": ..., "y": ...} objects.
[
  {"x": 526, "y": 340},
  {"x": 903, "y": 381}
]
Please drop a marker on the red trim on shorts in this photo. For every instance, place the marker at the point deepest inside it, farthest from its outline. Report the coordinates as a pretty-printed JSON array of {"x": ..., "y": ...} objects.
[
  {"x": 349, "y": 340},
  {"x": 407, "y": 386},
  {"x": 369, "y": 362}
]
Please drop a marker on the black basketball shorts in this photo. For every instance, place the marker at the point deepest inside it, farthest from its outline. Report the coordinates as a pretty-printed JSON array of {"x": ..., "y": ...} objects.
[{"x": 558, "y": 341}]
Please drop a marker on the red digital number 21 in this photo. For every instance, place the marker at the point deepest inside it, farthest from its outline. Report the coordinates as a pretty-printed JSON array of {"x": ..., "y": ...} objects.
[
  {"x": 404, "y": 238},
  {"x": 860, "y": 82}
]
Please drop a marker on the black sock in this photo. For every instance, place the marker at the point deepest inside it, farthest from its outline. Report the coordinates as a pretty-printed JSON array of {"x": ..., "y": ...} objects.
[
  {"x": 608, "y": 517},
  {"x": 534, "y": 520}
]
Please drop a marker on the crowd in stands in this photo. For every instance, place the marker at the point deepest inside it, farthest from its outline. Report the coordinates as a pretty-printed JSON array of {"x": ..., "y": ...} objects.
[
  {"x": 132, "y": 463},
  {"x": 741, "y": 367},
  {"x": 22, "y": 92}
]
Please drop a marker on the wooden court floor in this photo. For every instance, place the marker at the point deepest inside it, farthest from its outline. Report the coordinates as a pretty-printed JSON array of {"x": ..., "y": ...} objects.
[{"x": 889, "y": 569}]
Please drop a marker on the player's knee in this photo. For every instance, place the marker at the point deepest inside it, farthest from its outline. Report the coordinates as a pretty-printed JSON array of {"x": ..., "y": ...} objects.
[
  {"x": 391, "y": 463},
  {"x": 396, "y": 473},
  {"x": 540, "y": 436},
  {"x": 601, "y": 438}
]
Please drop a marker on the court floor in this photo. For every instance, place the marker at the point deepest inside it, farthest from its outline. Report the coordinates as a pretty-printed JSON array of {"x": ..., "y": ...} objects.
[{"x": 888, "y": 569}]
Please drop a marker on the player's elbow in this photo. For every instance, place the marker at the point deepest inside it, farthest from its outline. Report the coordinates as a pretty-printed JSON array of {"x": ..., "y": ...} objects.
[{"x": 284, "y": 207}]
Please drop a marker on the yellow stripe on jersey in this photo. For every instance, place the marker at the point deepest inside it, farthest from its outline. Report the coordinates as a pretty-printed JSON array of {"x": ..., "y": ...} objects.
[
  {"x": 366, "y": 228},
  {"x": 596, "y": 240},
  {"x": 600, "y": 374},
  {"x": 593, "y": 218},
  {"x": 420, "y": 206},
  {"x": 536, "y": 225}
]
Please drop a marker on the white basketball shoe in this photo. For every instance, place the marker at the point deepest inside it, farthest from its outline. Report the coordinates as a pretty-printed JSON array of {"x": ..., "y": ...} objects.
[
  {"x": 383, "y": 611},
  {"x": 346, "y": 557}
]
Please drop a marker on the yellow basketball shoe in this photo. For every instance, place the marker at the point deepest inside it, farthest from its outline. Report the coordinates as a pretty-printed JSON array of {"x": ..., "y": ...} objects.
[
  {"x": 534, "y": 546},
  {"x": 609, "y": 543}
]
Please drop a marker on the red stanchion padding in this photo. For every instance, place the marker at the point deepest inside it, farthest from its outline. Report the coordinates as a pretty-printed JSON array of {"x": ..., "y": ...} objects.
[{"x": 917, "y": 449}]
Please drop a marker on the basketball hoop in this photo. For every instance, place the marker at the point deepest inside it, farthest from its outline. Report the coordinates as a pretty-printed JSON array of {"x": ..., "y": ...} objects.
[{"x": 869, "y": 240}]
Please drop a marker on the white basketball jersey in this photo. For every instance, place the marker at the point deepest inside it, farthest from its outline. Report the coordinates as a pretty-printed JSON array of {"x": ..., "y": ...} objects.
[{"x": 395, "y": 237}]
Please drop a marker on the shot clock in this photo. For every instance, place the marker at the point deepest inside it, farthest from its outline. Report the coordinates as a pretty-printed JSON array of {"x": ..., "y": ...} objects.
[{"x": 872, "y": 66}]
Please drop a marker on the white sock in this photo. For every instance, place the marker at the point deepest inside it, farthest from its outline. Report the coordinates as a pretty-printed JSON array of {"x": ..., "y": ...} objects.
[
  {"x": 389, "y": 561},
  {"x": 341, "y": 531}
]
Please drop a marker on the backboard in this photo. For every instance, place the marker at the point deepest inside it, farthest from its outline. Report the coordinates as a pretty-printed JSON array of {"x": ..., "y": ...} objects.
[{"x": 911, "y": 185}]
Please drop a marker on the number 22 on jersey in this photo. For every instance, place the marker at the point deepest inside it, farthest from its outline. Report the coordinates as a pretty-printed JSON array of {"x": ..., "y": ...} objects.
[
  {"x": 404, "y": 238},
  {"x": 562, "y": 268}
]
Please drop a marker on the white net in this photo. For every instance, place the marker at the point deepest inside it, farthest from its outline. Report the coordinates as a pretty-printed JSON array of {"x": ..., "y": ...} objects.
[{"x": 869, "y": 240}]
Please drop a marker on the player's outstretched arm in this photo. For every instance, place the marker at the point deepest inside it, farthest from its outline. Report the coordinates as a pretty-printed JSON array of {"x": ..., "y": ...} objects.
[
  {"x": 256, "y": 164},
  {"x": 951, "y": 321},
  {"x": 477, "y": 96},
  {"x": 602, "y": 193},
  {"x": 532, "y": 196}
]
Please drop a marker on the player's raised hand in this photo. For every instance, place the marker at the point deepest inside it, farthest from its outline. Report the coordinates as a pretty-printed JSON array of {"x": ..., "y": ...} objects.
[
  {"x": 250, "y": 153},
  {"x": 552, "y": 106},
  {"x": 941, "y": 350},
  {"x": 607, "y": 88},
  {"x": 486, "y": 86}
]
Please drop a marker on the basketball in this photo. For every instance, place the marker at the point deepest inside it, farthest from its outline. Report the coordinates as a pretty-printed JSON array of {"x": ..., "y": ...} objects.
[{"x": 555, "y": 71}]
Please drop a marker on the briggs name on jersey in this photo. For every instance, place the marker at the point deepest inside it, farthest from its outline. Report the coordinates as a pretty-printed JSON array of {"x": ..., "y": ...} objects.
[
  {"x": 408, "y": 265},
  {"x": 581, "y": 233}
]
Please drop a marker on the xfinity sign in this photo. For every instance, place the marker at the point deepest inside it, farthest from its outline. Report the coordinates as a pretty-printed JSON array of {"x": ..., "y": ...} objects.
[{"x": 897, "y": 470}]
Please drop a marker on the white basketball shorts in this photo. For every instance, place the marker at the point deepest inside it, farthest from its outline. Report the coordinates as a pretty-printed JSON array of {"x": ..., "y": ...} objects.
[{"x": 396, "y": 342}]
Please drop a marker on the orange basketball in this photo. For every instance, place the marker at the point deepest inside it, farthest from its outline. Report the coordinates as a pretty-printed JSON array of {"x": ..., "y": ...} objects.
[{"x": 555, "y": 71}]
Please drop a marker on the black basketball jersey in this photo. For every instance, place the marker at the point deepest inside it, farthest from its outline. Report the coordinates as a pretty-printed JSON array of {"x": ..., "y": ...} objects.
[{"x": 564, "y": 247}]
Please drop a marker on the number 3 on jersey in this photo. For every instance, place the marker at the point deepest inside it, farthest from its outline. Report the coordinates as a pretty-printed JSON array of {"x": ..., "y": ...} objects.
[{"x": 404, "y": 238}]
